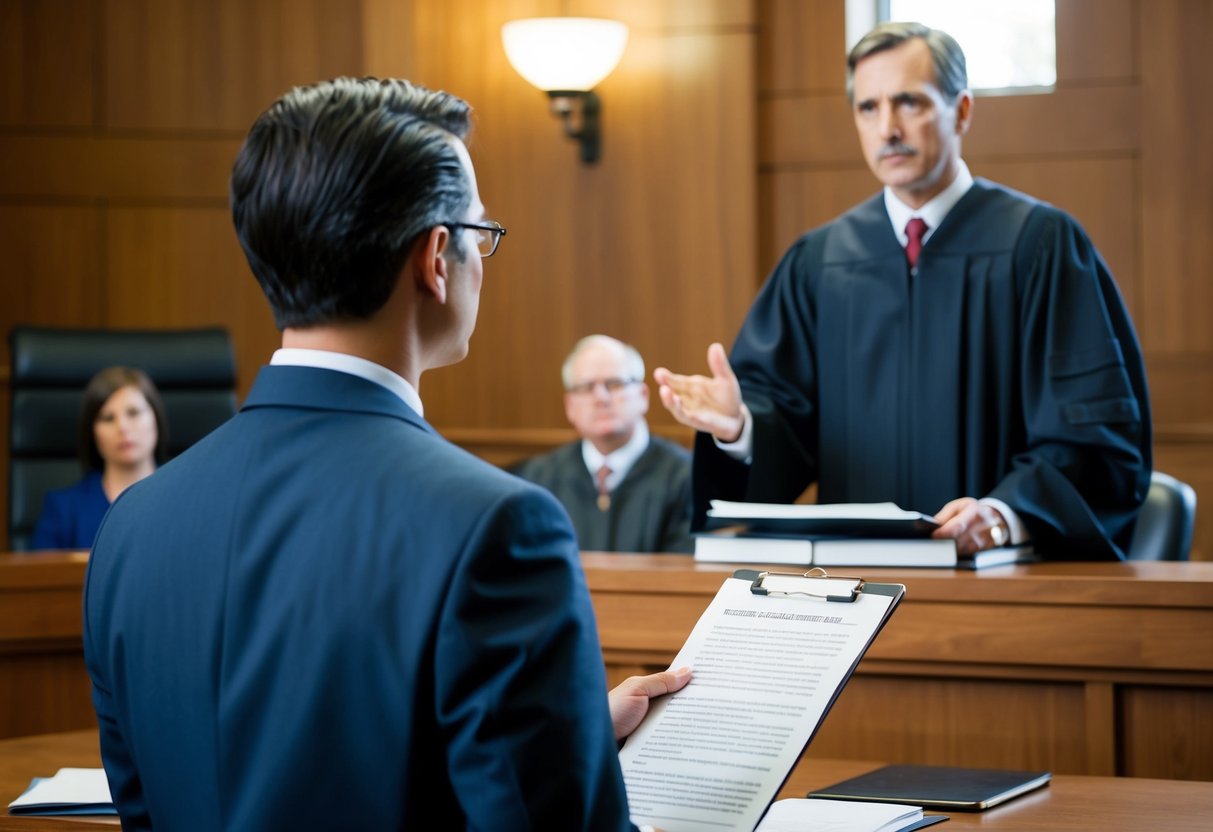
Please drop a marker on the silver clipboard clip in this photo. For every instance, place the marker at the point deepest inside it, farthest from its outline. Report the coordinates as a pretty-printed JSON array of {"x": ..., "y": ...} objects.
[{"x": 814, "y": 579}]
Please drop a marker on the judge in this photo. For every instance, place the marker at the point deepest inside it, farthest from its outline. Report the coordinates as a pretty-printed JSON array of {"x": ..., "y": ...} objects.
[{"x": 949, "y": 344}]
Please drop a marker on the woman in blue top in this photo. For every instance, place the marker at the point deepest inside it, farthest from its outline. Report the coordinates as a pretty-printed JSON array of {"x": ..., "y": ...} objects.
[{"x": 122, "y": 439}]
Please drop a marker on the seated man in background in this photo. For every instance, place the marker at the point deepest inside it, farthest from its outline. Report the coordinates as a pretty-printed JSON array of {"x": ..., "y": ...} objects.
[
  {"x": 625, "y": 490},
  {"x": 324, "y": 615}
]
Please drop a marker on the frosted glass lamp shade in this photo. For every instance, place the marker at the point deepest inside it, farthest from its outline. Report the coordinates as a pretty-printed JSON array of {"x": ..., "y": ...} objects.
[{"x": 564, "y": 53}]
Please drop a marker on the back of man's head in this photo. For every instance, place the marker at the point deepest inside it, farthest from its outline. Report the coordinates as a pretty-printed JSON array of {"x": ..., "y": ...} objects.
[
  {"x": 334, "y": 184},
  {"x": 947, "y": 58}
]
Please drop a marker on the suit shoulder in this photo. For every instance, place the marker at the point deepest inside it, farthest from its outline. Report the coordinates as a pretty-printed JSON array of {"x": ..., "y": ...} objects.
[{"x": 670, "y": 449}]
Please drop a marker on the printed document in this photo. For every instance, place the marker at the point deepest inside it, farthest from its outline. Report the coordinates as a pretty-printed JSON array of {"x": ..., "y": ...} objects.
[{"x": 766, "y": 669}]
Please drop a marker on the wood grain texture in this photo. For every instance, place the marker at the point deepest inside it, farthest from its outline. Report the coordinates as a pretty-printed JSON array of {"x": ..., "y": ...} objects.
[
  {"x": 189, "y": 65},
  {"x": 47, "y": 58},
  {"x": 1033, "y": 660},
  {"x": 1068, "y": 804}
]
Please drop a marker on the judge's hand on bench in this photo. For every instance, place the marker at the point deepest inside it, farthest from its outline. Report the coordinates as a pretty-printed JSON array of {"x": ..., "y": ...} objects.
[{"x": 975, "y": 525}]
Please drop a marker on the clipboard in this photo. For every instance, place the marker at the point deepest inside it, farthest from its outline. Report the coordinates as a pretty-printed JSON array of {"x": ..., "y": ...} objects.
[{"x": 769, "y": 656}]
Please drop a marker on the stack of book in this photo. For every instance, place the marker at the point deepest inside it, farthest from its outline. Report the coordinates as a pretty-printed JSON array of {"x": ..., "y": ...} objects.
[{"x": 835, "y": 535}]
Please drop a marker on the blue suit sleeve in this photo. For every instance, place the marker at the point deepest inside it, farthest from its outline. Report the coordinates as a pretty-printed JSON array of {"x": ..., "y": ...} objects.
[
  {"x": 126, "y": 790},
  {"x": 522, "y": 695}
]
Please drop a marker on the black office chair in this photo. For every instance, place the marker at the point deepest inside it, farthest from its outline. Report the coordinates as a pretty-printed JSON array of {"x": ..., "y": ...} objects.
[
  {"x": 194, "y": 370},
  {"x": 1164, "y": 527}
]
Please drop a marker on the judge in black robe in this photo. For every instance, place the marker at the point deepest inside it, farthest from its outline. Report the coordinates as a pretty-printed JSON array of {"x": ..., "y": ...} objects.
[{"x": 1006, "y": 367}]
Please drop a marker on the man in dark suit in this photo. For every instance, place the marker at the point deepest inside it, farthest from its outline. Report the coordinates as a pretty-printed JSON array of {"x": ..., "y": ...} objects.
[
  {"x": 324, "y": 615},
  {"x": 949, "y": 345},
  {"x": 625, "y": 490}
]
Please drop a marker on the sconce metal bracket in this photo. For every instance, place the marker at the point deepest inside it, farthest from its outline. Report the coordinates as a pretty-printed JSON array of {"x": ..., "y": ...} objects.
[{"x": 578, "y": 112}]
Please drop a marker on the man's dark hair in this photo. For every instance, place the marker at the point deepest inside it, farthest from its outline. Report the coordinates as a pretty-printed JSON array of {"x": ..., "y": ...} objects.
[
  {"x": 333, "y": 186},
  {"x": 948, "y": 59}
]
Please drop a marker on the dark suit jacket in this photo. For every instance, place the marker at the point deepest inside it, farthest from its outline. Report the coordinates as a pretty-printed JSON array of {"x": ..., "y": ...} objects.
[
  {"x": 70, "y": 516},
  {"x": 650, "y": 510},
  {"x": 325, "y": 616}
]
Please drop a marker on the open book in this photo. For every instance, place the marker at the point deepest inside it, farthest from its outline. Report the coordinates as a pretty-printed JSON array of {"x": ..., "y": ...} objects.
[{"x": 770, "y": 655}]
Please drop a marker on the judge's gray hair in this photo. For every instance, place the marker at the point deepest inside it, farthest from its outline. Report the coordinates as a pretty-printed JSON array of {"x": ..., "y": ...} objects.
[
  {"x": 948, "y": 59},
  {"x": 633, "y": 363}
]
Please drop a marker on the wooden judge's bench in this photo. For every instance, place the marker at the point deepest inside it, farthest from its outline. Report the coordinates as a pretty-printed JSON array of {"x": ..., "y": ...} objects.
[{"x": 1100, "y": 669}]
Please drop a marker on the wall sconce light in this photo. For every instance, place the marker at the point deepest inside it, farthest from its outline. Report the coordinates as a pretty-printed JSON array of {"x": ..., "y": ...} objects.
[{"x": 566, "y": 57}]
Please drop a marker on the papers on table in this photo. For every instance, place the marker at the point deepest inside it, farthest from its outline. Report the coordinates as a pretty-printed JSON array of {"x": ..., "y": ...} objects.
[
  {"x": 72, "y": 791},
  {"x": 804, "y": 815},
  {"x": 767, "y": 667}
]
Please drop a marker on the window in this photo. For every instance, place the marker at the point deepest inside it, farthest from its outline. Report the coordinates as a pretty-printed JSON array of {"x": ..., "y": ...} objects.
[{"x": 1010, "y": 45}]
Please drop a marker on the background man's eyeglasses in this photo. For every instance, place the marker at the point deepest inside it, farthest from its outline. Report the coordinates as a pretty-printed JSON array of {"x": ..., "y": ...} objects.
[
  {"x": 488, "y": 234},
  {"x": 611, "y": 385}
]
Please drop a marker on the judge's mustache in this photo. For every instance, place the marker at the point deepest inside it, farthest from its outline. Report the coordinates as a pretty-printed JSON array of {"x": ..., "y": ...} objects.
[{"x": 896, "y": 149}]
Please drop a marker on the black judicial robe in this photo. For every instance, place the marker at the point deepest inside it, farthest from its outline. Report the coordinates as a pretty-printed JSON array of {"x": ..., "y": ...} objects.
[
  {"x": 650, "y": 509},
  {"x": 1006, "y": 366}
]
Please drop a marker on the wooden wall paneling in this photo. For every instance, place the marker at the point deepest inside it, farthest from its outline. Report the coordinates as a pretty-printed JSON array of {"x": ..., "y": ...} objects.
[
  {"x": 1101, "y": 729},
  {"x": 1163, "y": 732},
  {"x": 1177, "y": 176},
  {"x": 970, "y": 722},
  {"x": 189, "y": 65},
  {"x": 47, "y": 58},
  {"x": 53, "y": 266},
  {"x": 1096, "y": 40},
  {"x": 653, "y": 244},
  {"x": 804, "y": 47},
  {"x": 44, "y": 693},
  {"x": 103, "y": 166},
  {"x": 182, "y": 267}
]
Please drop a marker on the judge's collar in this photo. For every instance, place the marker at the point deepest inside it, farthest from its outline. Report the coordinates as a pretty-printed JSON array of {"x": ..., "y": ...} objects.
[{"x": 934, "y": 211}]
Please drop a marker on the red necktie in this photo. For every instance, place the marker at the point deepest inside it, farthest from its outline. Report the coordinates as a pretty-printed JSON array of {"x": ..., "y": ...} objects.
[
  {"x": 915, "y": 230},
  {"x": 600, "y": 480}
]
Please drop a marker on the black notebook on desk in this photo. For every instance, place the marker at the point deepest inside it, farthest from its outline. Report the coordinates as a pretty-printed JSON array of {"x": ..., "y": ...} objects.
[{"x": 942, "y": 787}]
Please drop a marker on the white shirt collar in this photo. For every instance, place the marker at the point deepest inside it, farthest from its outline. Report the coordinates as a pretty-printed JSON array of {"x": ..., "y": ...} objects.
[
  {"x": 355, "y": 366},
  {"x": 934, "y": 211},
  {"x": 620, "y": 461}
]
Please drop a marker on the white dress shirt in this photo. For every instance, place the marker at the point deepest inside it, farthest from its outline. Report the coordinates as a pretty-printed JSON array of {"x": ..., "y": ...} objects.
[
  {"x": 621, "y": 460},
  {"x": 355, "y": 366}
]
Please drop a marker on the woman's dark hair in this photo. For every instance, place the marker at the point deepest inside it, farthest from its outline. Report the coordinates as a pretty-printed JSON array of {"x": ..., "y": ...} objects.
[
  {"x": 100, "y": 387},
  {"x": 336, "y": 182}
]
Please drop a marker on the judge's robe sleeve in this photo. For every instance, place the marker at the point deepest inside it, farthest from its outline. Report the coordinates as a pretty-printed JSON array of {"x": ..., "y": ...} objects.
[
  {"x": 774, "y": 358},
  {"x": 1085, "y": 469}
]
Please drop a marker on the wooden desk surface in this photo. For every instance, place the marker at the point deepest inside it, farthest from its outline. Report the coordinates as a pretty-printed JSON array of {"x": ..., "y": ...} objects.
[
  {"x": 1098, "y": 669},
  {"x": 1070, "y": 803},
  {"x": 1078, "y": 668}
]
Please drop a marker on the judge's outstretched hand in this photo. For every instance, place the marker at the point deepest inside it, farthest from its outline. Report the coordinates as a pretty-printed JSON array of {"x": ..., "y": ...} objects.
[
  {"x": 629, "y": 701},
  {"x": 711, "y": 405},
  {"x": 975, "y": 525}
]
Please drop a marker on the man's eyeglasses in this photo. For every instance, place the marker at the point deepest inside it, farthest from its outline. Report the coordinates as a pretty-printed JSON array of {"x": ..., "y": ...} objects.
[
  {"x": 611, "y": 385},
  {"x": 488, "y": 234}
]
